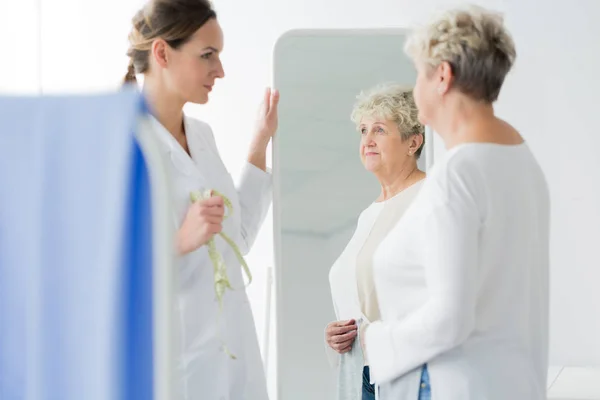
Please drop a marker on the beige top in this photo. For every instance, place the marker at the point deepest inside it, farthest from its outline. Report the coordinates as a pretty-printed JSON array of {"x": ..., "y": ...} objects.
[{"x": 390, "y": 214}]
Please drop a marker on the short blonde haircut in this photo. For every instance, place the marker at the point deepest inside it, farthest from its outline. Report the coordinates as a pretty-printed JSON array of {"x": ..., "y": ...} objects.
[
  {"x": 390, "y": 102},
  {"x": 474, "y": 42}
]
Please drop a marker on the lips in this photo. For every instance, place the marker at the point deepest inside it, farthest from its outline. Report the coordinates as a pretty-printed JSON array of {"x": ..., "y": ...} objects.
[{"x": 208, "y": 87}]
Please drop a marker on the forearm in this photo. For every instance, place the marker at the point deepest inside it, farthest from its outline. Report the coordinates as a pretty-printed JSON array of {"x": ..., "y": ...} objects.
[
  {"x": 447, "y": 318},
  {"x": 257, "y": 155}
]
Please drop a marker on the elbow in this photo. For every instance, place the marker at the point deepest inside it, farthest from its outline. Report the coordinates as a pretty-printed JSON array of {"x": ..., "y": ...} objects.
[
  {"x": 245, "y": 244},
  {"x": 244, "y": 247},
  {"x": 247, "y": 239}
]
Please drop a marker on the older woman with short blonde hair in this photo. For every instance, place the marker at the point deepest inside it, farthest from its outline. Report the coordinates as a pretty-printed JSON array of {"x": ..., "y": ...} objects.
[
  {"x": 392, "y": 139},
  {"x": 462, "y": 279}
]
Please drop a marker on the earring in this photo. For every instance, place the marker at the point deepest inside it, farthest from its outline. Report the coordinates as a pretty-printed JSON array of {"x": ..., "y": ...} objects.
[{"x": 440, "y": 90}]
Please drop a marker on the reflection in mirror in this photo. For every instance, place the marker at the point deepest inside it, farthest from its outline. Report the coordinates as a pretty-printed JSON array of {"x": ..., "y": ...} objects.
[{"x": 321, "y": 186}]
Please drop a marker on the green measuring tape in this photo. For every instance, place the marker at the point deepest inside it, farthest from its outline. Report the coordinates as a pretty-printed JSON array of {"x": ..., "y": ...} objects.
[{"x": 220, "y": 270}]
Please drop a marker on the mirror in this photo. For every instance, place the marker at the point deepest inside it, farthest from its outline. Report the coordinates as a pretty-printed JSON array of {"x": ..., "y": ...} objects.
[{"x": 321, "y": 185}]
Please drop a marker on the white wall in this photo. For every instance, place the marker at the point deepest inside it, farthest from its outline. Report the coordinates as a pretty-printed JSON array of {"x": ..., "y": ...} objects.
[
  {"x": 552, "y": 98},
  {"x": 19, "y": 69},
  {"x": 64, "y": 45}
]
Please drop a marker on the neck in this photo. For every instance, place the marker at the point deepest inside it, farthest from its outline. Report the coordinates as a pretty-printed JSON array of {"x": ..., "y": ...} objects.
[
  {"x": 394, "y": 183},
  {"x": 167, "y": 109},
  {"x": 458, "y": 120}
]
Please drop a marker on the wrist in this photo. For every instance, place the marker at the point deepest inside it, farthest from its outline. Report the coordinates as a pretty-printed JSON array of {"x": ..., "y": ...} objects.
[
  {"x": 258, "y": 156},
  {"x": 181, "y": 247},
  {"x": 257, "y": 152},
  {"x": 259, "y": 143}
]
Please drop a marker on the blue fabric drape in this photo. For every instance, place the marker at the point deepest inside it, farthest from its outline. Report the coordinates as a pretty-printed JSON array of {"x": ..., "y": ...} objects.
[{"x": 75, "y": 249}]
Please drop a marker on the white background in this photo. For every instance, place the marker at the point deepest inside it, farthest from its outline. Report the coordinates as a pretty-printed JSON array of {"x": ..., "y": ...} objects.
[{"x": 551, "y": 96}]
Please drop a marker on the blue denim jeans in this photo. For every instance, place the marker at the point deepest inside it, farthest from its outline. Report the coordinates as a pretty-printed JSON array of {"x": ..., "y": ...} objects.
[
  {"x": 425, "y": 389},
  {"x": 368, "y": 390}
]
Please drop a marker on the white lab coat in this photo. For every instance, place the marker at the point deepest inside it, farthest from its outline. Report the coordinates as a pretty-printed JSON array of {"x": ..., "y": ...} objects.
[{"x": 206, "y": 372}]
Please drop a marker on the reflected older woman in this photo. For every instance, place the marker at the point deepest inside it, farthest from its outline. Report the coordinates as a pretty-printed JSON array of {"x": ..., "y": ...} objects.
[
  {"x": 462, "y": 279},
  {"x": 391, "y": 142}
]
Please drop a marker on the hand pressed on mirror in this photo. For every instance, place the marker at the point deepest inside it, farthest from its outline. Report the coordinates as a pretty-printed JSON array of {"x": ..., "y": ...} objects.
[
  {"x": 268, "y": 120},
  {"x": 265, "y": 129},
  {"x": 340, "y": 335}
]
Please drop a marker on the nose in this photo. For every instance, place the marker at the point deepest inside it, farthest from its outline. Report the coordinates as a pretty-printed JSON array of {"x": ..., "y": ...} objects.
[
  {"x": 368, "y": 140},
  {"x": 220, "y": 72}
]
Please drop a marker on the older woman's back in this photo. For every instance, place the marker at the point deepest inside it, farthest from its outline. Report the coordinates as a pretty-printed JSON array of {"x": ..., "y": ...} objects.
[
  {"x": 506, "y": 351},
  {"x": 482, "y": 317}
]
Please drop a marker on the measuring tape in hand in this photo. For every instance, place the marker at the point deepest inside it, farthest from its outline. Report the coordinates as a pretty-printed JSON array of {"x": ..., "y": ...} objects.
[{"x": 221, "y": 280}]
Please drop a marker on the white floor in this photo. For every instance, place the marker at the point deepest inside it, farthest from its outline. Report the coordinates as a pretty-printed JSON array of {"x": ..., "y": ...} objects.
[{"x": 573, "y": 383}]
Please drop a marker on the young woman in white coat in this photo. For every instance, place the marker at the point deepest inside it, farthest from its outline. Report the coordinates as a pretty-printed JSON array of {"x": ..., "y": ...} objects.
[
  {"x": 392, "y": 140},
  {"x": 176, "y": 45},
  {"x": 462, "y": 279}
]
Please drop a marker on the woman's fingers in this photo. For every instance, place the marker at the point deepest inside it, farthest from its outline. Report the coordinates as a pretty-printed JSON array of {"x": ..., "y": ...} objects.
[
  {"x": 273, "y": 102},
  {"x": 213, "y": 219},
  {"x": 341, "y": 330},
  {"x": 267, "y": 101},
  {"x": 345, "y": 349},
  {"x": 345, "y": 337},
  {"x": 213, "y": 201}
]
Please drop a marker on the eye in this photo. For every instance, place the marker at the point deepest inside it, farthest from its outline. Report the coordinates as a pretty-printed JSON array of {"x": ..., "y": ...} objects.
[
  {"x": 363, "y": 131},
  {"x": 380, "y": 130},
  {"x": 207, "y": 56}
]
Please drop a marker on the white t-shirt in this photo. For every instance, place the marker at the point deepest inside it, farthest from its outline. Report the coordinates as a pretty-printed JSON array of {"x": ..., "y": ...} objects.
[{"x": 462, "y": 281}]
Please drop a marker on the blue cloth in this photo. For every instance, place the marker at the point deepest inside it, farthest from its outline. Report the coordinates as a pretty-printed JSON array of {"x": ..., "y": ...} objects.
[{"x": 75, "y": 249}]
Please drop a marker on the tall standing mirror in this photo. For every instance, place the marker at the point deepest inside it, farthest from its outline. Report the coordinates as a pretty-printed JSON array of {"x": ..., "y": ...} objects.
[{"x": 321, "y": 185}]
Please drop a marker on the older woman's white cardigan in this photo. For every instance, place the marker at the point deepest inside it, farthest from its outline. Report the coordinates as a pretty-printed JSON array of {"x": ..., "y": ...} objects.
[{"x": 462, "y": 282}]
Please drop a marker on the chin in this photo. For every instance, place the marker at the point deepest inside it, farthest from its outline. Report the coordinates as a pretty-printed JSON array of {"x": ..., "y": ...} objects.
[
  {"x": 371, "y": 167},
  {"x": 202, "y": 99}
]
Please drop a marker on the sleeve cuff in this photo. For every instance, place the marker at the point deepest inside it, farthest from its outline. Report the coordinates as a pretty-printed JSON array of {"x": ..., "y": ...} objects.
[
  {"x": 378, "y": 346},
  {"x": 254, "y": 179}
]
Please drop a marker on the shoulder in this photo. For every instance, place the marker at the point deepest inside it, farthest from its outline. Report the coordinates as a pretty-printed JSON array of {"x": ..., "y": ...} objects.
[
  {"x": 458, "y": 176},
  {"x": 368, "y": 215}
]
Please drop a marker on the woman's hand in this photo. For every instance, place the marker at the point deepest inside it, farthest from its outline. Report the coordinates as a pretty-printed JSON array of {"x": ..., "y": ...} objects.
[
  {"x": 202, "y": 221},
  {"x": 265, "y": 129},
  {"x": 268, "y": 118},
  {"x": 340, "y": 335}
]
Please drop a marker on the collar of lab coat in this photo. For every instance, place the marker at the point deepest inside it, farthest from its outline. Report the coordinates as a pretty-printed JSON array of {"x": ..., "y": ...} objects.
[{"x": 180, "y": 159}]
